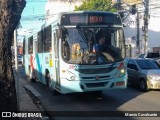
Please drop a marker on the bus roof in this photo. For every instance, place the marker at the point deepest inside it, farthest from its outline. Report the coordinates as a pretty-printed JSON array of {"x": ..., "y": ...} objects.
[
  {"x": 88, "y": 11},
  {"x": 57, "y": 18}
]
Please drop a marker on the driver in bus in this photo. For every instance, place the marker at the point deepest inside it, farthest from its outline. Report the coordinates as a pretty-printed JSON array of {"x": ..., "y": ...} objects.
[
  {"x": 101, "y": 46},
  {"x": 102, "y": 50}
]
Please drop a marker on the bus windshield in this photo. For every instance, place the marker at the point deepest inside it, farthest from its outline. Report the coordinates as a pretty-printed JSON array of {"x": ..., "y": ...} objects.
[{"x": 97, "y": 45}]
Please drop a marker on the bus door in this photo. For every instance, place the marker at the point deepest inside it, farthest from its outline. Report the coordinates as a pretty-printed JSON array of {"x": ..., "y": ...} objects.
[{"x": 56, "y": 61}]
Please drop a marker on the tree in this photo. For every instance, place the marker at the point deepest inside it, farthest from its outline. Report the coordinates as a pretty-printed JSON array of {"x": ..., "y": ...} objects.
[
  {"x": 102, "y": 5},
  {"x": 10, "y": 12}
]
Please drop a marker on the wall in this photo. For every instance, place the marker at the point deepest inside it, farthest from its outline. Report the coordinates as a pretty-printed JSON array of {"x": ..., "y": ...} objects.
[{"x": 153, "y": 28}]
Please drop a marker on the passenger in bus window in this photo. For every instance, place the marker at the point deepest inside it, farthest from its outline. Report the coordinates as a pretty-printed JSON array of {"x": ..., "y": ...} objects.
[{"x": 76, "y": 52}]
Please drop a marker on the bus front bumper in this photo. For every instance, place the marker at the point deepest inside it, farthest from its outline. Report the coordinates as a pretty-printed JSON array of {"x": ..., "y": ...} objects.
[{"x": 69, "y": 86}]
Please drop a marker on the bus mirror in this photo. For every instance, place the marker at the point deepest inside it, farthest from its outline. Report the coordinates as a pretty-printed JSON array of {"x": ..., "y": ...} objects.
[
  {"x": 58, "y": 33},
  {"x": 124, "y": 25}
]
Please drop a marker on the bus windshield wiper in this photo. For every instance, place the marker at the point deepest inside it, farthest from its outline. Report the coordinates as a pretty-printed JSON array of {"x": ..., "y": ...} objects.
[{"x": 81, "y": 32}]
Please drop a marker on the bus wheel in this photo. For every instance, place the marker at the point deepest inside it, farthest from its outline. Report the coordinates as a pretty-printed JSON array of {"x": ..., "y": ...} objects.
[
  {"x": 47, "y": 77},
  {"x": 49, "y": 83},
  {"x": 31, "y": 75},
  {"x": 48, "y": 80}
]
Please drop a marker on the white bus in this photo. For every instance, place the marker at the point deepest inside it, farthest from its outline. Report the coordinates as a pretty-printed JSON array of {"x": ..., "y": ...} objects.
[{"x": 60, "y": 54}]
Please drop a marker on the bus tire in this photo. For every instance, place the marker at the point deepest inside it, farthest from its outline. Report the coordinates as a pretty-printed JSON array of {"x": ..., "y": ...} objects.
[
  {"x": 47, "y": 77},
  {"x": 49, "y": 83},
  {"x": 31, "y": 78}
]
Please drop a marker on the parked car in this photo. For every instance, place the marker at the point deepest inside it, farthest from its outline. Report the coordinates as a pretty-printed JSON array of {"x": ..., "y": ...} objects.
[
  {"x": 144, "y": 73},
  {"x": 20, "y": 58}
]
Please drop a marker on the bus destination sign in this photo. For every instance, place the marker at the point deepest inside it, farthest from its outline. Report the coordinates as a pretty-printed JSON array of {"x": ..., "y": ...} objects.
[
  {"x": 85, "y": 19},
  {"x": 95, "y": 19},
  {"x": 89, "y": 19},
  {"x": 77, "y": 19}
]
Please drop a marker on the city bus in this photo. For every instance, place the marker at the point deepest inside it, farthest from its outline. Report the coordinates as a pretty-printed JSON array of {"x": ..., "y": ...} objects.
[{"x": 60, "y": 54}]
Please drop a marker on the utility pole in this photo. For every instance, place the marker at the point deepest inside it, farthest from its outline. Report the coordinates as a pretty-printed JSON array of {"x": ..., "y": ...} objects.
[
  {"x": 16, "y": 67},
  {"x": 119, "y": 7},
  {"x": 146, "y": 16},
  {"x": 138, "y": 32}
]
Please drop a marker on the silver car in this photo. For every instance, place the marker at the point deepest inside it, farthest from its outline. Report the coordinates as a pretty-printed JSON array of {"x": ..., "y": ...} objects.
[{"x": 143, "y": 72}]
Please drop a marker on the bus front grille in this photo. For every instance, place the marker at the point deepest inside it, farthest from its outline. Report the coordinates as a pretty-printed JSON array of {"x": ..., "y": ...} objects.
[
  {"x": 95, "y": 70},
  {"x": 94, "y": 78},
  {"x": 91, "y": 85}
]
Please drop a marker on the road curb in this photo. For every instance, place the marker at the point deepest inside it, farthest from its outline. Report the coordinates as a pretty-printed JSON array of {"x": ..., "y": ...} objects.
[{"x": 34, "y": 95}]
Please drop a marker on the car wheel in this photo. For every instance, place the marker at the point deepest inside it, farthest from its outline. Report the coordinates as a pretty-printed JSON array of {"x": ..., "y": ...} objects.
[{"x": 143, "y": 85}]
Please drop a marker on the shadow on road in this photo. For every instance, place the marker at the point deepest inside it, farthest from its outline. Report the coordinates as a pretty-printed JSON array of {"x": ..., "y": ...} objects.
[{"x": 66, "y": 104}]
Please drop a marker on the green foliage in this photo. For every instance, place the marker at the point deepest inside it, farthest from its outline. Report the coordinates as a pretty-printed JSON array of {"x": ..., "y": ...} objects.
[{"x": 102, "y": 5}]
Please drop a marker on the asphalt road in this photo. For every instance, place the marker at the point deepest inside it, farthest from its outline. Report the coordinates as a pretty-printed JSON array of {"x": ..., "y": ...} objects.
[{"x": 128, "y": 100}]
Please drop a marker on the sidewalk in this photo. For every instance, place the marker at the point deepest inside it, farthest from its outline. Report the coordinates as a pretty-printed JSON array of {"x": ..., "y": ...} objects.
[
  {"x": 27, "y": 98},
  {"x": 25, "y": 102}
]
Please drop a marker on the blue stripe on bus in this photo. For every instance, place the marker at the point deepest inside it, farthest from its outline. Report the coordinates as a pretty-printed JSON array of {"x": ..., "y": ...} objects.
[{"x": 39, "y": 67}]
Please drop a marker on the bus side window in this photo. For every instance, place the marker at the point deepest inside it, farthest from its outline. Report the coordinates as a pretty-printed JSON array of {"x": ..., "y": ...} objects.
[
  {"x": 47, "y": 39},
  {"x": 30, "y": 45},
  {"x": 40, "y": 42}
]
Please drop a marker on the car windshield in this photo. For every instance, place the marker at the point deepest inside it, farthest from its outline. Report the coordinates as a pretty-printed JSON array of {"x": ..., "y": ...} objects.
[
  {"x": 148, "y": 64},
  {"x": 80, "y": 45}
]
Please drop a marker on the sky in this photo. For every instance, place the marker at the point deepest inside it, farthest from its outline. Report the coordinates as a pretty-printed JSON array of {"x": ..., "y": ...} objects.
[{"x": 32, "y": 15}]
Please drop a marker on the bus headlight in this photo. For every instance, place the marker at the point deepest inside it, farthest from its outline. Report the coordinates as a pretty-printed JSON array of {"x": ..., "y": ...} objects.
[
  {"x": 120, "y": 73},
  {"x": 72, "y": 77}
]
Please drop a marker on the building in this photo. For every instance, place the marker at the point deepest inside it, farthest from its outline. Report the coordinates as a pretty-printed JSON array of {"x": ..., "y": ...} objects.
[{"x": 131, "y": 28}]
